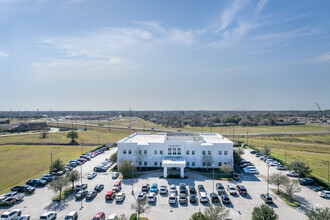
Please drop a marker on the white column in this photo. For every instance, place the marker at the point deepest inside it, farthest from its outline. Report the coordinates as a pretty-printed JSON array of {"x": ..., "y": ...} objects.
[
  {"x": 165, "y": 172},
  {"x": 182, "y": 172}
]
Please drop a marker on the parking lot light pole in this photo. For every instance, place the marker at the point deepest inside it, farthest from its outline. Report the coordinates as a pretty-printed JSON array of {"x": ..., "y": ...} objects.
[
  {"x": 213, "y": 179},
  {"x": 328, "y": 171},
  {"x": 268, "y": 180},
  {"x": 132, "y": 179}
]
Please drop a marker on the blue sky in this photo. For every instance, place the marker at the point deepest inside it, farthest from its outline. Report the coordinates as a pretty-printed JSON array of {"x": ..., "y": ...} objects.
[{"x": 164, "y": 55}]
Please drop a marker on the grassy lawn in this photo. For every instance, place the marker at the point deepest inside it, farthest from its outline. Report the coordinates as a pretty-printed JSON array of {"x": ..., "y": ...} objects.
[
  {"x": 95, "y": 136},
  {"x": 312, "y": 149},
  {"x": 285, "y": 198},
  {"x": 19, "y": 163}
]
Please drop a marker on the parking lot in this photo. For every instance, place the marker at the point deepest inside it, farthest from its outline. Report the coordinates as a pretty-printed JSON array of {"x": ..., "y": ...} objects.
[{"x": 240, "y": 208}]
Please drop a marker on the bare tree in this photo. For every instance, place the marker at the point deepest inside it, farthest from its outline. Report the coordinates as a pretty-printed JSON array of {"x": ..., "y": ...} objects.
[
  {"x": 216, "y": 212},
  {"x": 291, "y": 187},
  {"x": 278, "y": 180},
  {"x": 226, "y": 169},
  {"x": 139, "y": 207},
  {"x": 44, "y": 133},
  {"x": 208, "y": 160},
  {"x": 266, "y": 150}
]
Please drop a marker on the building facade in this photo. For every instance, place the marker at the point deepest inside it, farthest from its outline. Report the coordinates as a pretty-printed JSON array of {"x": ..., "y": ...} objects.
[{"x": 176, "y": 150}]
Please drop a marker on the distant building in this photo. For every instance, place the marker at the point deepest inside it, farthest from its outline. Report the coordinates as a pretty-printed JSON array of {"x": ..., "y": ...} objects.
[
  {"x": 23, "y": 127},
  {"x": 176, "y": 150}
]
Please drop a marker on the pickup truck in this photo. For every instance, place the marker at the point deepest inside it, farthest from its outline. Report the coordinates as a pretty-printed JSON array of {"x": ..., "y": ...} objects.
[
  {"x": 23, "y": 189},
  {"x": 16, "y": 195}
]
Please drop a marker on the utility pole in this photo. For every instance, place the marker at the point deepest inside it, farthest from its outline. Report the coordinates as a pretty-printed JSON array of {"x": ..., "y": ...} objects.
[
  {"x": 247, "y": 137},
  {"x": 328, "y": 171},
  {"x": 132, "y": 179},
  {"x": 285, "y": 155},
  {"x": 268, "y": 180},
  {"x": 213, "y": 179},
  {"x": 51, "y": 160}
]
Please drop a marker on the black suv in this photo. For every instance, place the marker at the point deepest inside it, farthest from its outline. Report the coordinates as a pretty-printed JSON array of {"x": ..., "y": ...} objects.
[
  {"x": 145, "y": 187},
  {"x": 24, "y": 188}
]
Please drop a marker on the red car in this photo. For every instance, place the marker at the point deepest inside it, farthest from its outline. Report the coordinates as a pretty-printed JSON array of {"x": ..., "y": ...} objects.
[
  {"x": 99, "y": 216},
  {"x": 110, "y": 195},
  {"x": 117, "y": 187}
]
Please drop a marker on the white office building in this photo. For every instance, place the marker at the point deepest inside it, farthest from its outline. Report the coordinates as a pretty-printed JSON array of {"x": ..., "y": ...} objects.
[{"x": 176, "y": 150}]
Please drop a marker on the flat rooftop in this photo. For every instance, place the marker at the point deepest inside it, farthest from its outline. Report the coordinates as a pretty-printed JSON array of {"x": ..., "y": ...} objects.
[{"x": 203, "y": 138}]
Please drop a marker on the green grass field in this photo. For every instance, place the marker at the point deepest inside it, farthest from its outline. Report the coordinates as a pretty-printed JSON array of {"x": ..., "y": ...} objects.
[
  {"x": 312, "y": 149},
  {"x": 19, "y": 163}
]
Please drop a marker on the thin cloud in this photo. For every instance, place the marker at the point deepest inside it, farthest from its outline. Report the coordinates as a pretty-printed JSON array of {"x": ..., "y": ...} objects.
[
  {"x": 3, "y": 54},
  {"x": 285, "y": 35},
  {"x": 323, "y": 58}
]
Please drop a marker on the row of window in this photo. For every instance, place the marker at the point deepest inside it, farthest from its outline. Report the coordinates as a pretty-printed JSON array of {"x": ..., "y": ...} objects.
[
  {"x": 145, "y": 163},
  {"x": 176, "y": 151}
]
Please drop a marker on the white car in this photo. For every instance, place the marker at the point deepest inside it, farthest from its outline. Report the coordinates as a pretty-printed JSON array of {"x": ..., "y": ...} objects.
[
  {"x": 231, "y": 189},
  {"x": 22, "y": 217},
  {"x": 173, "y": 189},
  {"x": 91, "y": 175},
  {"x": 203, "y": 197},
  {"x": 120, "y": 197},
  {"x": 113, "y": 217},
  {"x": 115, "y": 175},
  {"x": 292, "y": 174},
  {"x": 163, "y": 190},
  {"x": 274, "y": 163},
  {"x": 48, "y": 216},
  {"x": 172, "y": 199},
  {"x": 324, "y": 194},
  {"x": 151, "y": 197},
  {"x": 8, "y": 215}
]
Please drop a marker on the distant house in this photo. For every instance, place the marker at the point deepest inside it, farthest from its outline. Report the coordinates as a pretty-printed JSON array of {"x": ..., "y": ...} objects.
[{"x": 22, "y": 127}]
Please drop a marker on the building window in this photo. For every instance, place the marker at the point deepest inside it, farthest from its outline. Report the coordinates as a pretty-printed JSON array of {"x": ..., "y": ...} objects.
[
  {"x": 124, "y": 151},
  {"x": 155, "y": 152},
  {"x": 187, "y": 152},
  {"x": 169, "y": 151},
  {"x": 225, "y": 163},
  {"x": 140, "y": 163},
  {"x": 187, "y": 163},
  {"x": 220, "y": 152},
  {"x": 161, "y": 152},
  {"x": 193, "y": 164},
  {"x": 140, "y": 151},
  {"x": 208, "y": 164},
  {"x": 209, "y": 152},
  {"x": 145, "y": 152},
  {"x": 179, "y": 151},
  {"x": 203, "y": 153},
  {"x": 219, "y": 164},
  {"x": 160, "y": 163},
  {"x": 193, "y": 152},
  {"x": 225, "y": 152},
  {"x": 145, "y": 163},
  {"x": 174, "y": 151},
  {"x": 155, "y": 163},
  {"x": 129, "y": 151},
  {"x": 204, "y": 164}
]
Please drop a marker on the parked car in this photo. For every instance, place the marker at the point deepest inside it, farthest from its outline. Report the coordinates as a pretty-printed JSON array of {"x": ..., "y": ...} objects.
[
  {"x": 292, "y": 174},
  {"x": 116, "y": 187},
  {"x": 201, "y": 188},
  {"x": 81, "y": 186},
  {"x": 163, "y": 190},
  {"x": 183, "y": 189},
  {"x": 253, "y": 152},
  {"x": 49, "y": 177},
  {"x": 324, "y": 194},
  {"x": 231, "y": 189},
  {"x": 71, "y": 216},
  {"x": 154, "y": 188},
  {"x": 110, "y": 195},
  {"x": 91, "y": 195},
  {"x": 235, "y": 176},
  {"x": 100, "y": 169},
  {"x": 36, "y": 182},
  {"x": 151, "y": 197},
  {"x": 182, "y": 198},
  {"x": 48, "y": 216},
  {"x": 15, "y": 195},
  {"x": 225, "y": 199},
  {"x": 193, "y": 198},
  {"x": 120, "y": 197},
  {"x": 220, "y": 188},
  {"x": 81, "y": 194},
  {"x": 113, "y": 217},
  {"x": 99, "y": 187},
  {"x": 25, "y": 188},
  {"x": 241, "y": 190},
  {"x": 266, "y": 198},
  {"x": 10, "y": 214},
  {"x": 192, "y": 189},
  {"x": 203, "y": 197},
  {"x": 22, "y": 217},
  {"x": 115, "y": 175},
  {"x": 145, "y": 187},
  {"x": 7, "y": 201},
  {"x": 68, "y": 168},
  {"x": 172, "y": 199},
  {"x": 281, "y": 167},
  {"x": 258, "y": 154},
  {"x": 173, "y": 189},
  {"x": 142, "y": 196},
  {"x": 214, "y": 197},
  {"x": 91, "y": 175},
  {"x": 306, "y": 181},
  {"x": 99, "y": 216}
]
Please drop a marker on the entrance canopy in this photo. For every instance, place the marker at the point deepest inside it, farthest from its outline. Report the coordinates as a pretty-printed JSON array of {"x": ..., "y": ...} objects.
[{"x": 177, "y": 162}]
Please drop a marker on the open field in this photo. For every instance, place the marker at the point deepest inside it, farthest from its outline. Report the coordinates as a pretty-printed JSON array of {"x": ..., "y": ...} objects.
[
  {"x": 19, "y": 163},
  {"x": 93, "y": 137},
  {"x": 313, "y": 149}
]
